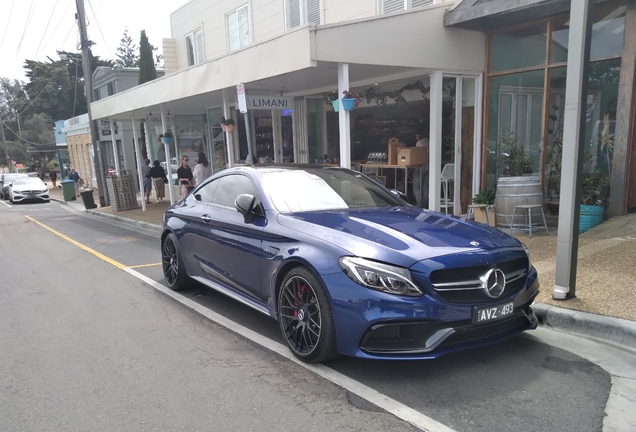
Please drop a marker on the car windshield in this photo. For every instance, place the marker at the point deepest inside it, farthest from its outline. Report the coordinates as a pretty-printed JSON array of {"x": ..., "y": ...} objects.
[
  {"x": 315, "y": 189},
  {"x": 10, "y": 177},
  {"x": 28, "y": 181}
]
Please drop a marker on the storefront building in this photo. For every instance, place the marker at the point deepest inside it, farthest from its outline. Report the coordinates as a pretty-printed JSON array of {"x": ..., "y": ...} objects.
[
  {"x": 291, "y": 62},
  {"x": 80, "y": 149},
  {"x": 526, "y": 63}
]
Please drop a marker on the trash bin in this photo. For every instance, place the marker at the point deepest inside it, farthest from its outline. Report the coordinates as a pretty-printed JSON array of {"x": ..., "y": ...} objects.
[
  {"x": 87, "y": 198},
  {"x": 68, "y": 190}
]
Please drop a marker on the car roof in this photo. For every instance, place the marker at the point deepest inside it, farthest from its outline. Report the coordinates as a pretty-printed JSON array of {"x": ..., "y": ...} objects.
[{"x": 291, "y": 167}]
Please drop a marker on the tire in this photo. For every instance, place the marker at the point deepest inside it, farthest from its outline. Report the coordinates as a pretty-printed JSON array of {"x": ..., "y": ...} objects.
[
  {"x": 172, "y": 263},
  {"x": 305, "y": 317}
]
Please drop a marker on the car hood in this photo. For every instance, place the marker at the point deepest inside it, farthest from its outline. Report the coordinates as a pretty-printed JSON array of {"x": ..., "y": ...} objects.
[{"x": 398, "y": 235}]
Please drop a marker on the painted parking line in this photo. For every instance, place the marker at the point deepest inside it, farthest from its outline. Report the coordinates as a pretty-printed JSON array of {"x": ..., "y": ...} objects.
[
  {"x": 2, "y": 201},
  {"x": 390, "y": 405},
  {"x": 144, "y": 265}
]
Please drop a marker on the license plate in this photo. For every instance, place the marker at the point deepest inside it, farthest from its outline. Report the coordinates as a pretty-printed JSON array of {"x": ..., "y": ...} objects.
[
  {"x": 493, "y": 313},
  {"x": 31, "y": 195}
]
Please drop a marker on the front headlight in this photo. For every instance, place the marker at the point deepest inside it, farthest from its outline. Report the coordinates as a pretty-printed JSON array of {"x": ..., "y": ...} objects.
[{"x": 380, "y": 277}]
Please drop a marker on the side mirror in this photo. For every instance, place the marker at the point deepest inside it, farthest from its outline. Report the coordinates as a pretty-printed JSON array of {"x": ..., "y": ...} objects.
[
  {"x": 197, "y": 197},
  {"x": 399, "y": 194},
  {"x": 244, "y": 204}
]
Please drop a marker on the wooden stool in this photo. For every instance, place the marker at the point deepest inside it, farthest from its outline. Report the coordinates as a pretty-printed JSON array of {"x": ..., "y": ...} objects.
[
  {"x": 472, "y": 207},
  {"x": 528, "y": 207}
]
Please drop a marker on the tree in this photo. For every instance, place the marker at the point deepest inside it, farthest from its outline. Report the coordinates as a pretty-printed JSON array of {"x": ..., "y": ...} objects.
[
  {"x": 147, "y": 71},
  {"x": 56, "y": 87},
  {"x": 127, "y": 52}
]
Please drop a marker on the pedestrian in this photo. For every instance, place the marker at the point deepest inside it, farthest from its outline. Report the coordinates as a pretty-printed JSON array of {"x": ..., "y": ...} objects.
[
  {"x": 184, "y": 174},
  {"x": 158, "y": 176},
  {"x": 420, "y": 195},
  {"x": 74, "y": 175},
  {"x": 53, "y": 177},
  {"x": 147, "y": 180},
  {"x": 203, "y": 169}
]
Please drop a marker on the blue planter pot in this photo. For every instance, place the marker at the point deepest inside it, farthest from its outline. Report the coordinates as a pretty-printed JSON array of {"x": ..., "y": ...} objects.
[
  {"x": 336, "y": 105},
  {"x": 591, "y": 216},
  {"x": 166, "y": 140},
  {"x": 348, "y": 104}
]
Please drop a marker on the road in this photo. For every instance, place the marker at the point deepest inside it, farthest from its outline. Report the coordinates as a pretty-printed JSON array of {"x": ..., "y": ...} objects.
[{"x": 90, "y": 342}]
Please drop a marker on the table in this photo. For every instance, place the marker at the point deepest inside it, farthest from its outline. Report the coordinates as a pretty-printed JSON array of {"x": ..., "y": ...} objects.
[{"x": 408, "y": 175}]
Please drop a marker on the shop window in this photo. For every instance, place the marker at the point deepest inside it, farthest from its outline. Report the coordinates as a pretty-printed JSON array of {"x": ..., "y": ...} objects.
[
  {"x": 518, "y": 49},
  {"x": 388, "y": 6},
  {"x": 301, "y": 12},
  {"x": 238, "y": 28},
  {"x": 515, "y": 118},
  {"x": 96, "y": 94},
  {"x": 194, "y": 47},
  {"x": 110, "y": 88},
  {"x": 607, "y": 35}
]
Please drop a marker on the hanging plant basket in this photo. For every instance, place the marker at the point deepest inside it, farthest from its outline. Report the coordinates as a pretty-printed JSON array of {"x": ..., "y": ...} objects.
[
  {"x": 229, "y": 128},
  {"x": 166, "y": 140},
  {"x": 223, "y": 127},
  {"x": 336, "y": 105},
  {"x": 348, "y": 103}
]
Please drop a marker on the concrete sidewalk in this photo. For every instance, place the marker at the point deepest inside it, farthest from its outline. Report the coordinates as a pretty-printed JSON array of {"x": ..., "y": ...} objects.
[{"x": 605, "y": 277}]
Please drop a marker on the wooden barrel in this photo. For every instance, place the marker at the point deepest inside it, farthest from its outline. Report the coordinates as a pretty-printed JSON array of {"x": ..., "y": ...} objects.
[{"x": 513, "y": 191}]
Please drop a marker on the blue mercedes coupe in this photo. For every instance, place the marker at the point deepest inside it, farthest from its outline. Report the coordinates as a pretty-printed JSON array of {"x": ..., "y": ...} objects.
[{"x": 346, "y": 266}]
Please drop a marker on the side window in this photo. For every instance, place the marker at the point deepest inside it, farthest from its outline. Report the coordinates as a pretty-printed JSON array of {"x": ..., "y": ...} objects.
[
  {"x": 232, "y": 186},
  {"x": 207, "y": 192}
]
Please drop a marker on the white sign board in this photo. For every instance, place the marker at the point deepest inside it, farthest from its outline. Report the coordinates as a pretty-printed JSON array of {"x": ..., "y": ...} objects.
[
  {"x": 269, "y": 102},
  {"x": 240, "y": 93}
]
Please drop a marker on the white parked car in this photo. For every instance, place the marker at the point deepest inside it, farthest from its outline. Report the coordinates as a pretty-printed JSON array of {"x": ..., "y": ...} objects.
[{"x": 28, "y": 189}]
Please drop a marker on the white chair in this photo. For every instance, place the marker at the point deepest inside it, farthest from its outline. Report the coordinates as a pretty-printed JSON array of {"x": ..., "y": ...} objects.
[{"x": 448, "y": 177}]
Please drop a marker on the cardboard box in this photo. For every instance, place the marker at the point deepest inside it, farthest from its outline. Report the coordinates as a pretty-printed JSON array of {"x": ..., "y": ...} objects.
[
  {"x": 392, "y": 151},
  {"x": 413, "y": 156},
  {"x": 480, "y": 216}
]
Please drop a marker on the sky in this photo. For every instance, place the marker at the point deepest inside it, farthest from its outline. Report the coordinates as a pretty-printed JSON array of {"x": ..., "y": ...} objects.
[{"x": 35, "y": 29}]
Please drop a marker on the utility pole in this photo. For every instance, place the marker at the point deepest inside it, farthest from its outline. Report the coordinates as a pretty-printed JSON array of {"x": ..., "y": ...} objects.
[
  {"x": 88, "y": 89},
  {"x": 4, "y": 144}
]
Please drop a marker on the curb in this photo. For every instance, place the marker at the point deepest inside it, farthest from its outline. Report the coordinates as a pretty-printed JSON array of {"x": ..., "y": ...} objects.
[
  {"x": 601, "y": 327},
  {"x": 132, "y": 222}
]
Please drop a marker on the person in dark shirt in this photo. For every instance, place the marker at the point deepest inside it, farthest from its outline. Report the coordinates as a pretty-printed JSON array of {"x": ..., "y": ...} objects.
[
  {"x": 74, "y": 175},
  {"x": 53, "y": 177},
  {"x": 159, "y": 180},
  {"x": 184, "y": 174}
]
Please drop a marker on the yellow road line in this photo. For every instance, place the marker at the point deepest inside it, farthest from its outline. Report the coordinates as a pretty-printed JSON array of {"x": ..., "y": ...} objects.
[
  {"x": 80, "y": 245},
  {"x": 144, "y": 265}
]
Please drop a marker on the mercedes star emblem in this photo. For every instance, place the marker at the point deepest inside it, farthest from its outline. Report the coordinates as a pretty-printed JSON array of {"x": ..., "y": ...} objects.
[
  {"x": 474, "y": 243},
  {"x": 494, "y": 282}
]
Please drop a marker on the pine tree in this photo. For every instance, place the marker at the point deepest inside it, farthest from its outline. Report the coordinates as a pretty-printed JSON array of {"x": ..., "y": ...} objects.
[
  {"x": 147, "y": 71},
  {"x": 127, "y": 52}
]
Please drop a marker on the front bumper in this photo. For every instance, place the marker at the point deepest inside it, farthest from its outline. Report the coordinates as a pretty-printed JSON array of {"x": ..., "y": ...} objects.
[
  {"x": 371, "y": 324},
  {"x": 19, "y": 197}
]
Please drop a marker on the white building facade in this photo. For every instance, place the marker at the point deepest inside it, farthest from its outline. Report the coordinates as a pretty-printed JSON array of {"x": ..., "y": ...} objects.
[{"x": 291, "y": 56}]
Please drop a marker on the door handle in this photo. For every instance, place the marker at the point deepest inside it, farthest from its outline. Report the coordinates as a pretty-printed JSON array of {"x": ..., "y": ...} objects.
[{"x": 206, "y": 218}]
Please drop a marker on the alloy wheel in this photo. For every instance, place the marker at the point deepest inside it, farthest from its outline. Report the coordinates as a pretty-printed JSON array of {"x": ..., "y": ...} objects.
[
  {"x": 300, "y": 315},
  {"x": 170, "y": 261}
]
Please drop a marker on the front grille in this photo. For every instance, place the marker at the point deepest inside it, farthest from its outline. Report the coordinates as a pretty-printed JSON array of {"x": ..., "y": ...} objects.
[
  {"x": 463, "y": 285},
  {"x": 471, "y": 333}
]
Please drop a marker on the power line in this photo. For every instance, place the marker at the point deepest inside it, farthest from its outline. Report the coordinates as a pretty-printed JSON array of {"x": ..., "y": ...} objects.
[
  {"x": 7, "y": 27},
  {"x": 25, "y": 140},
  {"x": 57, "y": 26},
  {"x": 29, "y": 16},
  {"x": 100, "y": 28},
  {"x": 46, "y": 28}
]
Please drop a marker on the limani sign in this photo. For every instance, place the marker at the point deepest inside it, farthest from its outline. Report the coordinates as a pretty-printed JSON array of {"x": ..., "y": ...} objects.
[{"x": 269, "y": 102}]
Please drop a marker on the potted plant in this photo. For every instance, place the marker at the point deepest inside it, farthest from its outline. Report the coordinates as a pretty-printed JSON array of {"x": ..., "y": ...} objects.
[
  {"x": 331, "y": 99},
  {"x": 350, "y": 100},
  {"x": 485, "y": 198},
  {"x": 592, "y": 185},
  {"x": 166, "y": 137},
  {"x": 515, "y": 187},
  {"x": 227, "y": 125}
]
